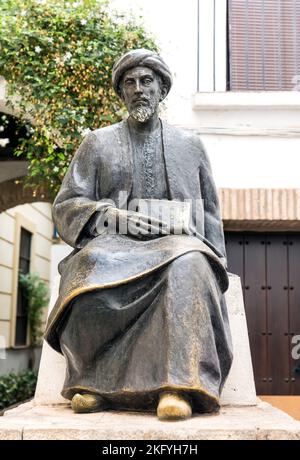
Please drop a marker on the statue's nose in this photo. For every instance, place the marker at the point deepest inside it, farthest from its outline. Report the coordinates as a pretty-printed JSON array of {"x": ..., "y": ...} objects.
[{"x": 138, "y": 88}]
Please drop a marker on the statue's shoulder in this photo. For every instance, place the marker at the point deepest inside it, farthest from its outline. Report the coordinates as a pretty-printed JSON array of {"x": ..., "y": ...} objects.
[
  {"x": 184, "y": 135},
  {"x": 107, "y": 132}
]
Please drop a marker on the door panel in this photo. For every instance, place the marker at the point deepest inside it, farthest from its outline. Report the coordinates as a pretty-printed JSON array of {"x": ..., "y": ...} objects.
[
  {"x": 269, "y": 266},
  {"x": 256, "y": 307},
  {"x": 277, "y": 314},
  {"x": 235, "y": 254}
]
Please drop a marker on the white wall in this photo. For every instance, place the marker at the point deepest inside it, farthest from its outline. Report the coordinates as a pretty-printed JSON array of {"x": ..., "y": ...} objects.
[
  {"x": 253, "y": 140},
  {"x": 36, "y": 218}
]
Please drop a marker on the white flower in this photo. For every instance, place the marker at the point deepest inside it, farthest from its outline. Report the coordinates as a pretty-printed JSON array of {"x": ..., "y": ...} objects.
[
  {"x": 83, "y": 22},
  {"x": 50, "y": 39},
  {"x": 89, "y": 48},
  {"x": 1, "y": 129},
  {"x": 23, "y": 13},
  {"x": 67, "y": 56},
  {"x": 4, "y": 142},
  {"x": 55, "y": 169},
  {"x": 37, "y": 49}
]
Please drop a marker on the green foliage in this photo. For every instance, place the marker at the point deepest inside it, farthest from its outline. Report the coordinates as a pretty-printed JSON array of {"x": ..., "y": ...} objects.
[
  {"x": 57, "y": 57},
  {"x": 37, "y": 294},
  {"x": 16, "y": 388}
]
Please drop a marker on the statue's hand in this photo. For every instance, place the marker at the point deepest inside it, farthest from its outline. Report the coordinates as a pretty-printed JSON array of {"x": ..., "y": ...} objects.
[{"x": 141, "y": 225}]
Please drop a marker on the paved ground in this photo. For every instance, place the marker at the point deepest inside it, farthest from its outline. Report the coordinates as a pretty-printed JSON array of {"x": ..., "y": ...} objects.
[{"x": 289, "y": 404}]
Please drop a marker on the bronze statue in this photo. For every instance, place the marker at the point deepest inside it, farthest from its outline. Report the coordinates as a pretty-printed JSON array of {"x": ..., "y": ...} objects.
[{"x": 141, "y": 317}]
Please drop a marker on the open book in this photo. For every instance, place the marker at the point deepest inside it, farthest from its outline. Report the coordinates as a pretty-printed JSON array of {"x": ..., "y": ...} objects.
[{"x": 176, "y": 214}]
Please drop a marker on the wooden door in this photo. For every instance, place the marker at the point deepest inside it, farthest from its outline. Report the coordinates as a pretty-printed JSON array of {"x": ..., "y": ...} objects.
[{"x": 269, "y": 267}]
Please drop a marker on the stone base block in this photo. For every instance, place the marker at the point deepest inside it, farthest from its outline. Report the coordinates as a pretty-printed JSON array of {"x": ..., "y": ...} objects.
[{"x": 260, "y": 422}]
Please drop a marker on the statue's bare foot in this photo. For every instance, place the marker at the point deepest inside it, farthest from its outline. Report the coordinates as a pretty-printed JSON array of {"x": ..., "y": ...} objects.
[
  {"x": 173, "y": 406},
  {"x": 83, "y": 403}
]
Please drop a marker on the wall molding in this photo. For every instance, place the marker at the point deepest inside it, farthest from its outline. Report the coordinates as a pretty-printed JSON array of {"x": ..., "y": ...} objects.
[
  {"x": 245, "y": 100},
  {"x": 247, "y": 131},
  {"x": 260, "y": 209}
]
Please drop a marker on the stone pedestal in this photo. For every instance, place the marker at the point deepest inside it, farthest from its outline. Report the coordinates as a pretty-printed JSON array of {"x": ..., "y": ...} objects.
[{"x": 59, "y": 422}]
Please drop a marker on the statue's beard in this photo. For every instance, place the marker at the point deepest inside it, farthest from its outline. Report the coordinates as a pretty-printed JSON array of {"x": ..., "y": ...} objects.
[{"x": 143, "y": 113}]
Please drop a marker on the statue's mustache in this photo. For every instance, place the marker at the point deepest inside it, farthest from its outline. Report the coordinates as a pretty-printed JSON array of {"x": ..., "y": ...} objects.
[{"x": 142, "y": 99}]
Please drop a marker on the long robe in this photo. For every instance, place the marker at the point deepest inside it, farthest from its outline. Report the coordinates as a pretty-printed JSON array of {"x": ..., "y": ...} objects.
[{"x": 135, "y": 317}]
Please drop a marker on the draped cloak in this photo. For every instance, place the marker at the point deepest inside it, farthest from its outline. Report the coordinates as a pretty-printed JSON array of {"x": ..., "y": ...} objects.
[{"x": 132, "y": 272}]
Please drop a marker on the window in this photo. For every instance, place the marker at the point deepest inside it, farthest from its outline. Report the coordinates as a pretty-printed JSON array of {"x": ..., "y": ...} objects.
[
  {"x": 24, "y": 267},
  {"x": 264, "y": 45}
]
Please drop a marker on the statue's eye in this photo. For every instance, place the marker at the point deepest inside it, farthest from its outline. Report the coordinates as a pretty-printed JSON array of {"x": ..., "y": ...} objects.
[{"x": 147, "y": 81}]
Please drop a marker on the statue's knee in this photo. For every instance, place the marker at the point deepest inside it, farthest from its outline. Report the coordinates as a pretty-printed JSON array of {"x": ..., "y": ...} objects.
[{"x": 192, "y": 262}]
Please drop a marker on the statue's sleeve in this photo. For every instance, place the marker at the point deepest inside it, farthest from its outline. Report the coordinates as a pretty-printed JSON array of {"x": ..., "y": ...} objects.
[
  {"x": 213, "y": 226},
  {"x": 77, "y": 206}
]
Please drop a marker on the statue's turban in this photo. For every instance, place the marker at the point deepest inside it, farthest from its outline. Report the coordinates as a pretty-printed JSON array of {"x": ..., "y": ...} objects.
[{"x": 144, "y": 58}]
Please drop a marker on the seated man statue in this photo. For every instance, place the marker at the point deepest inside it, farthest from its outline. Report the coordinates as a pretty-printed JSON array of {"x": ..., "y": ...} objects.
[{"x": 141, "y": 318}]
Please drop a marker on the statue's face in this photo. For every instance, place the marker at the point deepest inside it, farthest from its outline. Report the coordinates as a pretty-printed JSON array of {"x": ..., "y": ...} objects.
[{"x": 142, "y": 90}]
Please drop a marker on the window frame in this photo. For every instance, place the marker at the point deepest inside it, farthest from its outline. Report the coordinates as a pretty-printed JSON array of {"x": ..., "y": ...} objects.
[
  {"x": 212, "y": 46},
  {"x": 20, "y": 222},
  {"x": 212, "y": 66}
]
